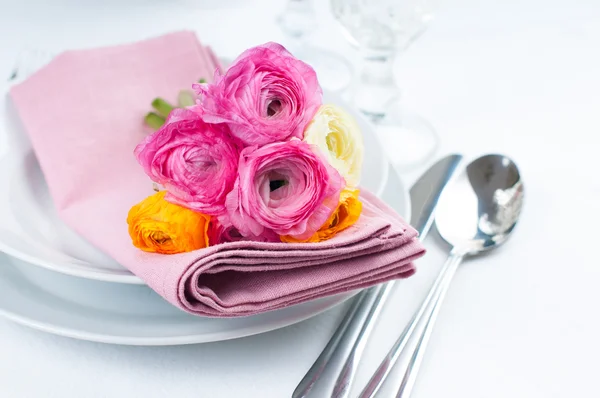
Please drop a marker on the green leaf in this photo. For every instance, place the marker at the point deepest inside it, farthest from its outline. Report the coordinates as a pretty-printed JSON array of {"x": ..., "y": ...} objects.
[
  {"x": 186, "y": 98},
  {"x": 202, "y": 80},
  {"x": 162, "y": 107},
  {"x": 154, "y": 120}
]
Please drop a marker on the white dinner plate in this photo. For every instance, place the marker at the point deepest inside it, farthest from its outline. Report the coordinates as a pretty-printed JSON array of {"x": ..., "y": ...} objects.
[
  {"x": 134, "y": 314},
  {"x": 32, "y": 231}
]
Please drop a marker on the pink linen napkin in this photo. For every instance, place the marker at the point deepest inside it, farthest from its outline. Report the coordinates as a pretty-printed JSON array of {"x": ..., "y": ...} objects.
[{"x": 84, "y": 115}]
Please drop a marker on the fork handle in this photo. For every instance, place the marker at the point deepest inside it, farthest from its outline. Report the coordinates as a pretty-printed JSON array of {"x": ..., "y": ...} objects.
[
  {"x": 341, "y": 355},
  {"x": 427, "y": 312}
]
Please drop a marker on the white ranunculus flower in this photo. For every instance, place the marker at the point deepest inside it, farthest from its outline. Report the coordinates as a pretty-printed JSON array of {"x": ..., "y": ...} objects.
[{"x": 338, "y": 136}]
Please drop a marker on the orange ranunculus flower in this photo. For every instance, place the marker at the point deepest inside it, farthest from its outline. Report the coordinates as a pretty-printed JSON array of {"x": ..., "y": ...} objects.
[
  {"x": 158, "y": 226},
  {"x": 346, "y": 214}
]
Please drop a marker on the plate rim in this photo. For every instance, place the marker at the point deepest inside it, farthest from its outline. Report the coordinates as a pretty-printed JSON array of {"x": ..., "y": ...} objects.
[
  {"x": 164, "y": 341},
  {"x": 29, "y": 319}
]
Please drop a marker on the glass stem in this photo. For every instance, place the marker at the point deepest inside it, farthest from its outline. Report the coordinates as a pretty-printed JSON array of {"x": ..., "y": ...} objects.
[
  {"x": 297, "y": 21},
  {"x": 376, "y": 87}
]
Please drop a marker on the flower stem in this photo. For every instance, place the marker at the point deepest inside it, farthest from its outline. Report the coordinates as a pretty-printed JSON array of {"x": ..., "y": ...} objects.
[
  {"x": 162, "y": 107},
  {"x": 154, "y": 120},
  {"x": 186, "y": 98}
]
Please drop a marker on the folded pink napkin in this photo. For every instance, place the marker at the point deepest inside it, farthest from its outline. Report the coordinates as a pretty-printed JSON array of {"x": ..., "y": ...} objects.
[{"x": 83, "y": 113}]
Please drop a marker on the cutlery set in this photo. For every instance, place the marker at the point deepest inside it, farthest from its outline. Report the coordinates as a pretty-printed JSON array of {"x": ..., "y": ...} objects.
[{"x": 474, "y": 210}]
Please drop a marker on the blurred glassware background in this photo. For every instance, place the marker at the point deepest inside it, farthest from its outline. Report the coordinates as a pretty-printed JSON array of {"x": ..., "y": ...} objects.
[
  {"x": 381, "y": 30},
  {"x": 298, "y": 20}
]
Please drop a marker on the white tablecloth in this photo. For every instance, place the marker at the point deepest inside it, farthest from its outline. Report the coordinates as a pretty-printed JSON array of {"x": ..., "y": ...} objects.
[{"x": 516, "y": 77}]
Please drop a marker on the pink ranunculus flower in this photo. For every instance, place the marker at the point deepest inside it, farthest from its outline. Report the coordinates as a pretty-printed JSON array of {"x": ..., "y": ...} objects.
[
  {"x": 266, "y": 95},
  {"x": 286, "y": 188},
  {"x": 195, "y": 161},
  {"x": 219, "y": 233}
]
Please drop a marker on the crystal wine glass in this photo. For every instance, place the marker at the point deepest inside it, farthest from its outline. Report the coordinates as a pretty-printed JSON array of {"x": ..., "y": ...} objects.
[
  {"x": 298, "y": 21},
  {"x": 381, "y": 29}
]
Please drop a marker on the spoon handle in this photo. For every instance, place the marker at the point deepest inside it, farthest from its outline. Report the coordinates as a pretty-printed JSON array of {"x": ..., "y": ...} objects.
[
  {"x": 412, "y": 368},
  {"x": 428, "y": 307}
]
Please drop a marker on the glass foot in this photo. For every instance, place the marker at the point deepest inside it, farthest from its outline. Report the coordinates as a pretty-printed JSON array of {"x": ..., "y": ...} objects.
[{"x": 409, "y": 140}]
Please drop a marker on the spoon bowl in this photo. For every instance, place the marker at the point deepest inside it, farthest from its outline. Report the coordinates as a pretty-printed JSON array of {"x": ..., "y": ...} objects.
[{"x": 480, "y": 210}]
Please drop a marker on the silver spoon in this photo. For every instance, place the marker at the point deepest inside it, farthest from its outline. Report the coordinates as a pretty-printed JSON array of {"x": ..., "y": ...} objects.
[{"x": 476, "y": 213}]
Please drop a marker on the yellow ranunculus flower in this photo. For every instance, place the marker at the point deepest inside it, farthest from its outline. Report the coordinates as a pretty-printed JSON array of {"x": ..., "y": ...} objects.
[
  {"x": 338, "y": 136},
  {"x": 346, "y": 214},
  {"x": 158, "y": 226}
]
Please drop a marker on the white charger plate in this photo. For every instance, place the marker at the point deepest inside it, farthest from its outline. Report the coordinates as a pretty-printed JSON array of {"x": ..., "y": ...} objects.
[
  {"x": 117, "y": 313},
  {"x": 33, "y": 232}
]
